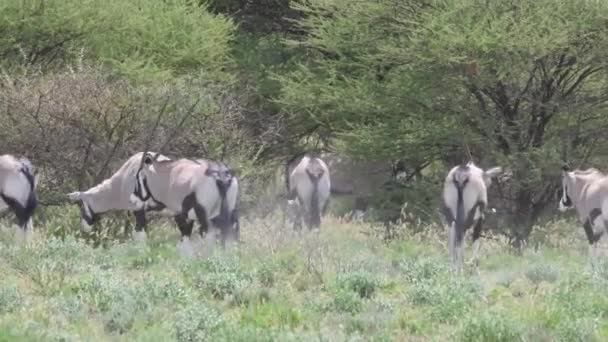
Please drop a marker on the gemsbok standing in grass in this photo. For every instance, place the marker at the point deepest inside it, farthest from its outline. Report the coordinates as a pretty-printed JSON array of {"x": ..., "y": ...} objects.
[
  {"x": 192, "y": 189},
  {"x": 587, "y": 192},
  {"x": 225, "y": 175},
  {"x": 18, "y": 179},
  {"x": 464, "y": 201},
  {"x": 116, "y": 193},
  {"x": 308, "y": 189}
]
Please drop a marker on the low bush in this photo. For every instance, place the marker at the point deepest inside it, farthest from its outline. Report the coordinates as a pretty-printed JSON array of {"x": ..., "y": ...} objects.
[
  {"x": 490, "y": 327},
  {"x": 10, "y": 298},
  {"x": 196, "y": 321},
  {"x": 362, "y": 283}
]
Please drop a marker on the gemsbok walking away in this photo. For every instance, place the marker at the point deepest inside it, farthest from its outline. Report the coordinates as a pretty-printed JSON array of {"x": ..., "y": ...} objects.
[
  {"x": 308, "y": 189},
  {"x": 192, "y": 189},
  {"x": 116, "y": 193},
  {"x": 587, "y": 192},
  {"x": 464, "y": 201},
  {"x": 228, "y": 181},
  {"x": 18, "y": 180}
]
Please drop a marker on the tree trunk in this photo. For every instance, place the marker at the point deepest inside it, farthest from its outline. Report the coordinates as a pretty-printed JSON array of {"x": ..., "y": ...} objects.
[{"x": 524, "y": 218}]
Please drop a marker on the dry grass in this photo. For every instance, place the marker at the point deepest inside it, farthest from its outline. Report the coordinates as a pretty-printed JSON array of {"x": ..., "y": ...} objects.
[{"x": 338, "y": 284}]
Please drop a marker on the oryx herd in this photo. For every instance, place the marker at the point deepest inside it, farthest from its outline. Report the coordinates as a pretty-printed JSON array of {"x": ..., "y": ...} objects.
[{"x": 207, "y": 190}]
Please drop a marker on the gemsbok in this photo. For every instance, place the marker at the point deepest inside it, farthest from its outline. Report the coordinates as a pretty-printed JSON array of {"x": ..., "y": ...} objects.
[
  {"x": 192, "y": 189},
  {"x": 587, "y": 192},
  {"x": 464, "y": 201},
  {"x": 308, "y": 189},
  {"x": 18, "y": 180},
  {"x": 116, "y": 193}
]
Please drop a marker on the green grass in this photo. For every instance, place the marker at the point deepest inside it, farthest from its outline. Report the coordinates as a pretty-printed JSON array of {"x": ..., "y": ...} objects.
[{"x": 341, "y": 284}]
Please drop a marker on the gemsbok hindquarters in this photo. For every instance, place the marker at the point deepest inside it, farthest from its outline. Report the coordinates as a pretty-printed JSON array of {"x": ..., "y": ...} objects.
[
  {"x": 308, "y": 187},
  {"x": 227, "y": 182},
  {"x": 587, "y": 192},
  {"x": 464, "y": 201},
  {"x": 18, "y": 179},
  {"x": 116, "y": 193},
  {"x": 192, "y": 189}
]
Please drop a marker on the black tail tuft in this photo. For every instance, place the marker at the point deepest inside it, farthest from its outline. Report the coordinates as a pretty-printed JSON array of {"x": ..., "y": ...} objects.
[
  {"x": 223, "y": 220},
  {"x": 32, "y": 199},
  {"x": 460, "y": 214},
  {"x": 315, "y": 213}
]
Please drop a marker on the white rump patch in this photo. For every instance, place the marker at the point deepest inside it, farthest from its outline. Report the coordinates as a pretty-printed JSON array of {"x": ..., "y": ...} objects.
[
  {"x": 191, "y": 215},
  {"x": 17, "y": 187}
]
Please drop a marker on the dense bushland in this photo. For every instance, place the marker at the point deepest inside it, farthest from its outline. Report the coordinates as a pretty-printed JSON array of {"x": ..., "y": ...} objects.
[
  {"x": 392, "y": 86},
  {"x": 385, "y": 86}
]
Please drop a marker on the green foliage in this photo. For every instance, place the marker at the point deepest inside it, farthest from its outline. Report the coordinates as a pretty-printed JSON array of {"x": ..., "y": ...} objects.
[
  {"x": 372, "y": 291},
  {"x": 345, "y": 300},
  {"x": 196, "y": 322},
  {"x": 542, "y": 272},
  {"x": 362, "y": 283},
  {"x": 48, "y": 265},
  {"x": 491, "y": 327},
  {"x": 266, "y": 274},
  {"x": 145, "y": 40},
  {"x": 420, "y": 269},
  {"x": 516, "y": 83},
  {"x": 71, "y": 307},
  {"x": 10, "y": 298},
  {"x": 220, "y": 277}
]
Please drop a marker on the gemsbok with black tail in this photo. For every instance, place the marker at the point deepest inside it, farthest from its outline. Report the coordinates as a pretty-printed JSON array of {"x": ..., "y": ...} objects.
[
  {"x": 587, "y": 192},
  {"x": 192, "y": 189},
  {"x": 18, "y": 180},
  {"x": 464, "y": 201},
  {"x": 228, "y": 183},
  {"x": 308, "y": 189},
  {"x": 117, "y": 193}
]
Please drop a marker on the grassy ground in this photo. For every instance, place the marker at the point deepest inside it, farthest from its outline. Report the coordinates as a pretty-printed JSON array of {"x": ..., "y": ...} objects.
[{"x": 339, "y": 285}]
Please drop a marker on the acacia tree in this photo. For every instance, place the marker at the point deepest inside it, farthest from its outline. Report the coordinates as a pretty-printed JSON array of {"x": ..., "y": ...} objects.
[
  {"x": 519, "y": 83},
  {"x": 532, "y": 91}
]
